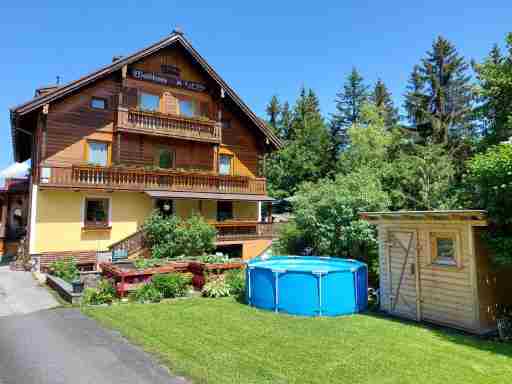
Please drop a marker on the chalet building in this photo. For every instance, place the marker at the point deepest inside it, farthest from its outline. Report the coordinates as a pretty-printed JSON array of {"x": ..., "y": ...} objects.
[{"x": 158, "y": 129}]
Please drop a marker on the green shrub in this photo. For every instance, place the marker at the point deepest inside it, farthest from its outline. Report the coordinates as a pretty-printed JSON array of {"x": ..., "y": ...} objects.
[
  {"x": 216, "y": 287},
  {"x": 66, "y": 270},
  {"x": 171, "y": 285},
  {"x": 214, "y": 259},
  {"x": 489, "y": 181},
  {"x": 104, "y": 293},
  {"x": 170, "y": 236},
  {"x": 147, "y": 294},
  {"x": 235, "y": 279}
]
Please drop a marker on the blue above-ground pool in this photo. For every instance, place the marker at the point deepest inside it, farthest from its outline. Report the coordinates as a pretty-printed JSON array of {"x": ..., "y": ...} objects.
[{"x": 307, "y": 286}]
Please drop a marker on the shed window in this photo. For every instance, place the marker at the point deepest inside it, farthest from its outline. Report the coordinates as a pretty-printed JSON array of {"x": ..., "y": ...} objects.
[
  {"x": 97, "y": 213},
  {"x": 444, "y": 248}
]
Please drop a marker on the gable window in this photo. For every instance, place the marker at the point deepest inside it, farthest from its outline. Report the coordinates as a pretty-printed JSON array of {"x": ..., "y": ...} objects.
[
  {"x": 193, "y": 108},
  {"x": 98, "y": 103},
  {"x": 165, "y": 158},
  {"x": 97, "y": 213},
  {"x": 224, "y": 210},
  {"x": 444, "y": 248},
  {"x": 149, "y": 102},
  {"x": 225, "y": 164},
  {"x": 98, "y": 153}
]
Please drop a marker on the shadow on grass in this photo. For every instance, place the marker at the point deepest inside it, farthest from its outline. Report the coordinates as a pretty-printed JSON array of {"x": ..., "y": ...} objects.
[{"x": 487, "y": 343}]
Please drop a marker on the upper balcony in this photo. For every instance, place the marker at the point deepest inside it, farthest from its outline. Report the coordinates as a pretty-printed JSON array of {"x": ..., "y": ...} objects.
[
  {"x": 160, "y": 124},
  {"x": 137, "y": 179}
]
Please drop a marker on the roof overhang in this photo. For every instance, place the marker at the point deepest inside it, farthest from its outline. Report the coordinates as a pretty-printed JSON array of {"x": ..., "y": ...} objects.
[
  {"x": 52, "y": 96},
  {"x": 473, "y": 217},
  {"x": 207, "y": 196}
]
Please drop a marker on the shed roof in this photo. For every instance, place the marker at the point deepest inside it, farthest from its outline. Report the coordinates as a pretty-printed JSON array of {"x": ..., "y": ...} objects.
[{"x": 476, "y": 217}]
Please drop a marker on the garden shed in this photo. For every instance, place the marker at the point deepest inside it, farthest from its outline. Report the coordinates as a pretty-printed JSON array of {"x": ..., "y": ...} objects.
[{"x": 434, "y": 267}]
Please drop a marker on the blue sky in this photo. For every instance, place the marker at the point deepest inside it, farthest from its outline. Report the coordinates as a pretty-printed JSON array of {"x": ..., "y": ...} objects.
[{"x": 259, "y": 47}]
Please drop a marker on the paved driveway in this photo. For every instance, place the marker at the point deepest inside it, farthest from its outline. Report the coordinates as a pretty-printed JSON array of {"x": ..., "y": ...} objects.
[
  {"x": 20, "y": 293},
  {"x": 61, "y": 345}
]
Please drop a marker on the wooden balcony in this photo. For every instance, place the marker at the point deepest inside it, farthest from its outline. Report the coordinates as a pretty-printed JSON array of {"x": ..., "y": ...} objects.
[
  {"x": 135, "y": 179},
  {"x": 159, "y": 124}
]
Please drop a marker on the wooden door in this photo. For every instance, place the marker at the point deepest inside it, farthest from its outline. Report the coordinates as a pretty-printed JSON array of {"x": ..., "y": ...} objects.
[{"x": 402, "y": 271}]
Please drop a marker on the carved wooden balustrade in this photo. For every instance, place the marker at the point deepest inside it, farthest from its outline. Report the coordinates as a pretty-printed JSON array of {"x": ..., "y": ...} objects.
[
  {"x": 136, "y": 179},
  {"x": 160, "y": 124}
]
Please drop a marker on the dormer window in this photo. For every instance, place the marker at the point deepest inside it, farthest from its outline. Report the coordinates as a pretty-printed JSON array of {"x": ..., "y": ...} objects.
[
  {"x": 98, "y": 103},
  {"x": 149, "y": 102}
]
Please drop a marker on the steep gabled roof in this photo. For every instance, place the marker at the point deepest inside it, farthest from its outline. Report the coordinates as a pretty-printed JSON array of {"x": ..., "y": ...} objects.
[{"x": 175, "y": 37}]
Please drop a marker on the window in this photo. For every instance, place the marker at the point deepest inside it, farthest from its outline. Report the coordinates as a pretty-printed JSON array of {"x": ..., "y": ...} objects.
[
  {"x": 224, "y": 210},
  {"x": 444, "y": 248},
  {"x": 98, "y": 153},
  {"x": 97, "y": 213},
  {"x": 186, "y": 108},
  {"x": 193, "y": 108},
  {"x": 98, "y": 103},
  {"x": 149, "y": 102},
  {"x": 165, "y": 158},
  {"x": 225, "y": 164}
]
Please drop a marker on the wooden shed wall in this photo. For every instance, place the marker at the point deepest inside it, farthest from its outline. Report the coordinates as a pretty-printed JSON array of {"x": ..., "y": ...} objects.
[{"x": 446, "y": 294}]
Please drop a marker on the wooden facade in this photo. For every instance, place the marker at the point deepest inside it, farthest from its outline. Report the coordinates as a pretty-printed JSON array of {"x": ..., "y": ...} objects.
[
  {"x": 461, "y": 291},
  {"x": 163, "y": 102}
]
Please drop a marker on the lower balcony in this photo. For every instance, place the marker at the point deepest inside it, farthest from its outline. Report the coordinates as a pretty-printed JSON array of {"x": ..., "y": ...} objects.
[
  {"x": 134, "y": 179},
  {"x": 243, "y": 230}
]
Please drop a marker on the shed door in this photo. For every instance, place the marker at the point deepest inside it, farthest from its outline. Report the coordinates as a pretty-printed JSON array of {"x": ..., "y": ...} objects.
[{"x": 402, "y": 271}]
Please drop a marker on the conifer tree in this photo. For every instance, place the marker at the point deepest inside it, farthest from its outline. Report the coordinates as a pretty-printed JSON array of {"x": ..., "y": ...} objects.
[
  {"x": 273, "y": 110},
  {"x": 285, "y": 122},
  {"x": 381, "y": 97},
  {"x": 349, "y": 102},
  {"x": 439, "y": 96},
  {"x": 303, "y": 157}
]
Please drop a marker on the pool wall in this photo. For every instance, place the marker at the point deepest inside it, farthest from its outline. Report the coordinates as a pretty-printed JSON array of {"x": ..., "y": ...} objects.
[{"x": 317, "y": 292}]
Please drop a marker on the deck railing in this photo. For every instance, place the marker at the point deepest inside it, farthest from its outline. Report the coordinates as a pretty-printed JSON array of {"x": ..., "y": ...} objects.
[
  {"x": 133, "y": 243},
  {"x": 160, "y": 124},
  {"x": 232, "y": 231},
  {"x": 130, "y": 179},
  {"x": 235, "y": 231}
]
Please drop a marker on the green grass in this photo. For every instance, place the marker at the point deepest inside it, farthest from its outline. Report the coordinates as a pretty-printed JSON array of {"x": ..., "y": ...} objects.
[{"x": 222, "y": 341}]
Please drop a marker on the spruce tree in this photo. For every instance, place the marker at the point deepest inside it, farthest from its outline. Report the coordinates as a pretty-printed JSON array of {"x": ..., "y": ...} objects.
[
  {"x": 273, "y": 110},
  {"x": 495, "y": 80},
  {"x": 439, "y": 96},
  {"x": 285, "y": 122},
  {"x": 349, "y": 101},
  {"x": 303, "y": 157},
  {"x": 381, "y": 97}
]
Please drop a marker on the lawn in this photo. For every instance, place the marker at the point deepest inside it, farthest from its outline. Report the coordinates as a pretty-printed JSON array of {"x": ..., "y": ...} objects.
[{"x": 222, "y": 341}]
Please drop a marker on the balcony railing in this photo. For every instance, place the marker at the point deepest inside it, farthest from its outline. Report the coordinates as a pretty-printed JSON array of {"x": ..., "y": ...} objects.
[
  {"x": 154, "y": 123},
  {"x": 234, "y": 231},
  {"x": 118, "y": 178}
]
